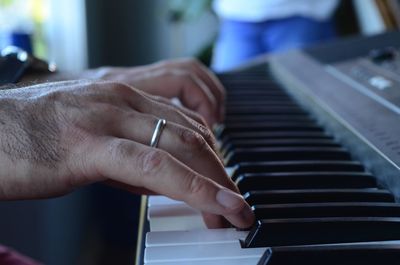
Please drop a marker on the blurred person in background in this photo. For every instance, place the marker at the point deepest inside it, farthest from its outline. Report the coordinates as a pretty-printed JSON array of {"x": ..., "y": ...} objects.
[{"x": 251, "y": 28}]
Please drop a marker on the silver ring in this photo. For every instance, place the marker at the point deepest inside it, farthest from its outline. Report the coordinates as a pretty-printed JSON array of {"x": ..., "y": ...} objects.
[{"x": 157, "y": 132}]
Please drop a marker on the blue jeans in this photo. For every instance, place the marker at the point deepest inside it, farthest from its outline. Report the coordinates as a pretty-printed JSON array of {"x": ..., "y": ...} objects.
[{"x": 240, "y": 41}]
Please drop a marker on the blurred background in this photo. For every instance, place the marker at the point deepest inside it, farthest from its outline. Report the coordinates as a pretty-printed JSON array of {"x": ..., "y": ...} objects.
[{"x": 98, "y": 224}]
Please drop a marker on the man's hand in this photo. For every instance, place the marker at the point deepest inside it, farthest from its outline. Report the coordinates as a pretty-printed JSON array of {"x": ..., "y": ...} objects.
[
  {"x": 55, "y": 137},
  {"x": 187, "y": 79}
]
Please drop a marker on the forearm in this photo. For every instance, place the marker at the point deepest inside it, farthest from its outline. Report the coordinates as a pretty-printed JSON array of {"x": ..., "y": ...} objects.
[{"x": 104, "y": 73}]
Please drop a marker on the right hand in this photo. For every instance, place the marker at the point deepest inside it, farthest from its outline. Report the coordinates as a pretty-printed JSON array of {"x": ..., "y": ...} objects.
[
  {"x": 55, "y": 137},
  {"x": 187, "y": 79}
]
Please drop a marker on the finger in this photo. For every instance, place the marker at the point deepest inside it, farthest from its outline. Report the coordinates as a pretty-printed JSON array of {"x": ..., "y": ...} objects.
[
  {"x": 207, "y": 77},
  {"x": 215, "y": 85},
  {"x": 171, "y": 114},
  {"x": 215, "y": 221},
  {"x": 188, "y": 98},
  {"x": 191, "y": 114},
  {"x": 138, "y": 165},
  {"x": 187, "y": 145},
  {"x": 199, "y": 125},
  {"x": 191, "y": 91}
]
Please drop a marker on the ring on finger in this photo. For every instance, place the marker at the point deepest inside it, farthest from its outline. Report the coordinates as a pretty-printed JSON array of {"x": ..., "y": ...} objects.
[{"x": 155, "y": 138}]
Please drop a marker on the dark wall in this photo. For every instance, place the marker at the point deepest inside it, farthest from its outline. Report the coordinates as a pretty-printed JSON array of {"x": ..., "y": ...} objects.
[{"x": 121, "y": 32}]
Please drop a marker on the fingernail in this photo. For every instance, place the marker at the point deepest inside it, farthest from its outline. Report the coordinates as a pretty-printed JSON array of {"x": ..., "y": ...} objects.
[{"x": 229, "y": 199}]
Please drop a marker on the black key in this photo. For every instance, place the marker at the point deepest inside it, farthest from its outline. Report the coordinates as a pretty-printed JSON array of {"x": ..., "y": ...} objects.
[
  {"x": 260, "y": 102},
  {"x": 386, "y": 253},
  {"x": 318, "y": 195},
  {"x": 262, "y": 96},
  {"x": 255, "y": 92},
  {"x": 305, "y": 180},
  {"x": 286, "y": 153},
  {"x": 273, "y": 135},
  {"x": 296, "y": 166},
  {"x": 254, "y": 126},
  {"x": 268, "y": 118},
  {"x": 317, "y": 210},
  {"x": 265, "y": 110},
  {"x": 277, "y": 135},
  {"x": 252, "y": 143},
  {"x": 307, "y": 231}
]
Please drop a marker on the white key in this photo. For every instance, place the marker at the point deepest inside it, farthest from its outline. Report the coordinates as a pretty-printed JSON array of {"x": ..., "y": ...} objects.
[
  {"x": 229, "y": 171},
  {"x": 161, "y": 200},
  {"x": 206, "y": 252},
  {"x": 174, "y": 217},
  {"x": 194, "y": 237},
  {"x": 244, "y": 261}
]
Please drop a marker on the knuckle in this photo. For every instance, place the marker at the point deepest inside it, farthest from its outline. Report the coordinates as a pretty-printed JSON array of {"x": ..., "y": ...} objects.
[
  {"x": 204, "y": 131},
  {"x": 107, "y": 109},
  {"x": 118, "y": 88},
  {"x": 119, "y": 150},
  {"x": 200, "y": 119},
  {"x": 151, "y": 160},
  {"x": 195, "y": 184},
  {"x": 208, "y": 136},
  {"x": 185, "y": 75},
  {"x": 55, "y": 95},
  {"x": 193, "y": 140},
  {"x": 191, "y": 60}
]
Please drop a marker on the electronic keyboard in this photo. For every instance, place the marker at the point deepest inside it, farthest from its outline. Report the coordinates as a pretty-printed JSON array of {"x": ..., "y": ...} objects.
[{"x": 311, "y": 138}]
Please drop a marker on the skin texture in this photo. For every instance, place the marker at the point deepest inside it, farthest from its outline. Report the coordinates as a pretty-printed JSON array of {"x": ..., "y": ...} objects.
[
  {"x": 197, "y": 88},
  {"x": 55, "y": 137},
  {"x": 189, "y": 80}
]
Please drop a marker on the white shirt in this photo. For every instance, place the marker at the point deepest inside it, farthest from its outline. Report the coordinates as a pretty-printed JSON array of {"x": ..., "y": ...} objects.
[{"x": 261, "y": 10}]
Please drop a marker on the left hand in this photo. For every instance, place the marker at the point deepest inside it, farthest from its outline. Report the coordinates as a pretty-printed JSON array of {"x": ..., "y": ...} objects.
[{"x": 187, "y": 79}]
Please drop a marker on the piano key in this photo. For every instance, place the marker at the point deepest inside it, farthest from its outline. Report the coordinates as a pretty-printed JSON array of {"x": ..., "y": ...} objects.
[
  {"x": 286, "y": 153},
  {"x": 252, "y": 126},
  {"x": 345, "y": 254},
  {"x": 265, "y": 110},
  {"x": 263, "y": 97},
  {"x": 316, "y": 210},
  {"x": 260, "y": 102},
  {"x": 226, "y": 142},
  {"x": 251, "y": 143},
  {"x": 265, "y": 93},
  {"x": 304, "y": 180},
  {"x": 211, "y": 252},
  {"x": 161, "y": 200},
  {"x": 251, "y": 93},
  {"x": 174, "y": 217},
  {"x": 307, "y": 231},
  {"x": 317, "y": 195},
  {"x": 225, "y": 261},
  {"x": 275, "y": 135},
  {"x": 242, "y": 78},
  {"x": 229, "y": 171},
  {"x": 295, "y": 166},
  {"x": 268, "y": 118},
  {"x": 194, "y": 237}
]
